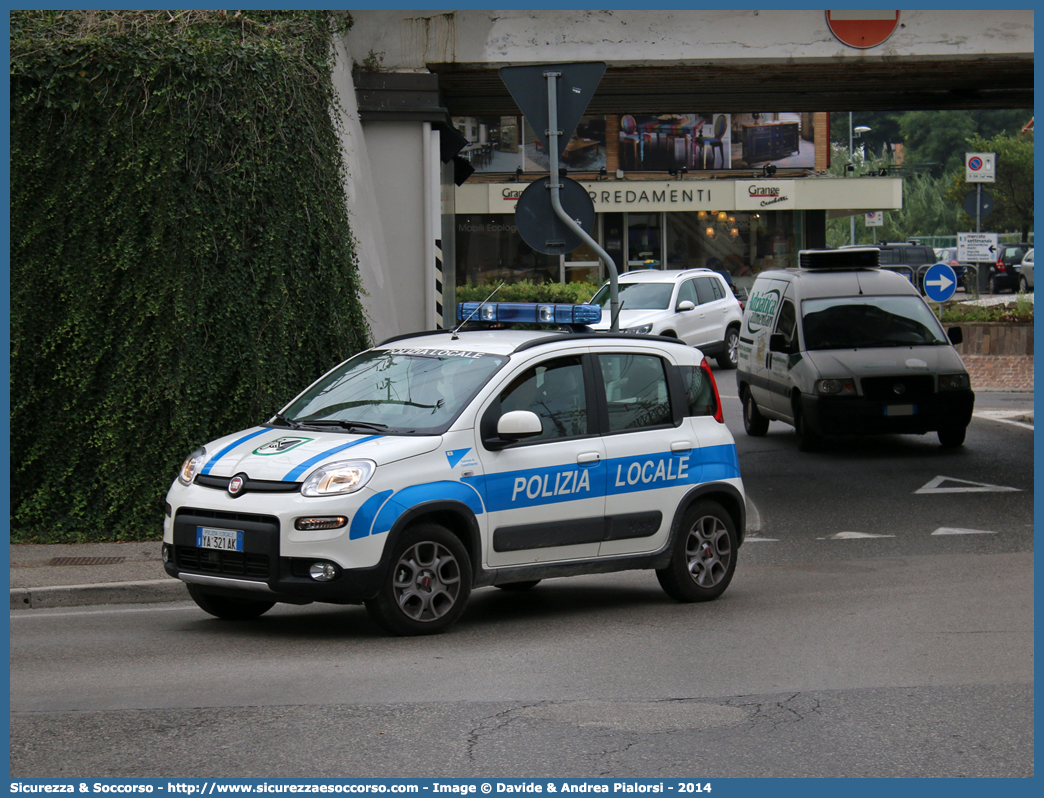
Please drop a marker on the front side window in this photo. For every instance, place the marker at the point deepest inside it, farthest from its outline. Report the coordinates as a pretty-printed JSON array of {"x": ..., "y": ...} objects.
[
  {"x": 554, "y": 390},
  {"x": 787, "y": 325},
  {"x": 869, "y": 322},
  {"x": 635, "y": 391},
  {"x": 394, "y": 391},
  {"x": 638, "y": 296}
]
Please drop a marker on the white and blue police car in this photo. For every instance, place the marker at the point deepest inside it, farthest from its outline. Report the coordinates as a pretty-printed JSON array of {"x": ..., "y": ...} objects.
[{"x": 436, "y": 463}]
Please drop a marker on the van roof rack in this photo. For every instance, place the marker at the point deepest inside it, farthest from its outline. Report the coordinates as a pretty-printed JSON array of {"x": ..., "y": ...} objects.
[{"x": 844, "y": 258}]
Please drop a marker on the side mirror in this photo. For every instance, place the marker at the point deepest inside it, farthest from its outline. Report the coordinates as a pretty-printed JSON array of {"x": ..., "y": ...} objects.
[
  {"x": 519, "y": 424},
  {"x": 686, "y": 304},
  {"x": 777, "y": 343},
  {"x": 956, "y": 335}
]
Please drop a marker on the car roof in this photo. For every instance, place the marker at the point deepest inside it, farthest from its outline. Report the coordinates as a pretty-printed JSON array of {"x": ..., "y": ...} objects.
[
  {"x": 820, "y": 283},
  {"x": 491, "y": 341},
  {"x": 662, "y": 275}
]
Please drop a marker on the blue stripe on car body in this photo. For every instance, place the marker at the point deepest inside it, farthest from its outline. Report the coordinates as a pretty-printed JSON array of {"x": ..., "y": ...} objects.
[
  {"x": 297, "y": 471},
  {"x": 213, "y": 460}
]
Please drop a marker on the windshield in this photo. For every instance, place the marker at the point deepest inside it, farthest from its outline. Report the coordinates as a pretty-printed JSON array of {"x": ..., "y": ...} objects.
[
  {"x": 638, "y": 296},
  {"x": 869, "y": 322},
  {"x": 394, "y": 391}
]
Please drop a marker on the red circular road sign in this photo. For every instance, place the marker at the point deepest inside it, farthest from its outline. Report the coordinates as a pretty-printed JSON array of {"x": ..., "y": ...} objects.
[
  {"x": 975, "y": 163},
  {"x": 862, "y": 29}
]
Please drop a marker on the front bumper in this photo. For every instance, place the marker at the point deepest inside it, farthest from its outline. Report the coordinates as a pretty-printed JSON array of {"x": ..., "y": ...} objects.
[
  {"x": 259, "y": 570},
  {"x": 857, "y": 415}
]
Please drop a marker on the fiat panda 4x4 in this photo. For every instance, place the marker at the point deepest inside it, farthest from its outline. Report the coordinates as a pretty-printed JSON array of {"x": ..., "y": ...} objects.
[
  {"x": 436, "y": 463},
  {"x": 842, "y": 347}
]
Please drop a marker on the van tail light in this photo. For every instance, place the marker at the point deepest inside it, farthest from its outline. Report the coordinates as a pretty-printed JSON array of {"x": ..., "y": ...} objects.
[{"x": 718, "y": 416}]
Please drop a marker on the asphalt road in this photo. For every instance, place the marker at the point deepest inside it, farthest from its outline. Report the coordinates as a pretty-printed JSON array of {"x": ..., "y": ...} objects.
[{"x": 873, "y": 630}]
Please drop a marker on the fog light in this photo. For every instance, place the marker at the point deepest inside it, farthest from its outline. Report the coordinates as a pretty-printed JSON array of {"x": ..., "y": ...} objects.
[
  {"x": 323, "y": 571},
  {"x": 321, "y": 522},
  {"x": 165, "y": 553}
]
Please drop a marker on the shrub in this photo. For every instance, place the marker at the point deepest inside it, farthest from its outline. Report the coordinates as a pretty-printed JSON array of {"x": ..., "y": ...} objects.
[
  {"x": 181, "y": 259},
  {"x": 526, "y": 291}
]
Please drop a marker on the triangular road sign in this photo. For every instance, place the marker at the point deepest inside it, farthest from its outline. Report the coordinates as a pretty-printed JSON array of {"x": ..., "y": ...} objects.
[
  {"x": 576, "y": 87},
  {"x": 964, "y": 486}
]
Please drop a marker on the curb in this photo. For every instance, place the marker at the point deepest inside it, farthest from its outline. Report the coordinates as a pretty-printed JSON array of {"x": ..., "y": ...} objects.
[{"x": 154, "y": 590}]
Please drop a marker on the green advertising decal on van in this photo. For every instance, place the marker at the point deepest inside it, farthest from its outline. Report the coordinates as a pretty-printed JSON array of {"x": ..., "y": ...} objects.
[{"x": 762, "y": 310}]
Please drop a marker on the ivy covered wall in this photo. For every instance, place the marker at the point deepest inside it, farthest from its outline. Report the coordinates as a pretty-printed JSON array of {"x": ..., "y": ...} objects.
[{"x": 181, "y": 259}]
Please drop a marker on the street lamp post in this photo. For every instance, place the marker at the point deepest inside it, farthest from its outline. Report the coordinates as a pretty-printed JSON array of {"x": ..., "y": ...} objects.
[{"x": 859, "y": 131}]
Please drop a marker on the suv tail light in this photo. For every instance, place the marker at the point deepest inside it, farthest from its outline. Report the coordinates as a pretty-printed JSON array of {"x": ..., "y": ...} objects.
[{"x": 718, "y": 416}]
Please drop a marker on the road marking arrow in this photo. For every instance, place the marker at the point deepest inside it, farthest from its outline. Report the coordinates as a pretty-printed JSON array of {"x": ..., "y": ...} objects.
[{"x": 967, "y": 487}]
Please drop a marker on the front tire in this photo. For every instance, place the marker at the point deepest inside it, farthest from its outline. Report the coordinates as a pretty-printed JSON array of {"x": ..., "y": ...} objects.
[
  {"x": 229, "y": 609},
  {"x": 704, "y": 556},
  {"x": 428, "y": 584},
  {"x": 808, "y": 439},
  {"x": 729, "y": 359},
  {"x": 755, "y": 424},
  {"x": 952, "y": 437}
]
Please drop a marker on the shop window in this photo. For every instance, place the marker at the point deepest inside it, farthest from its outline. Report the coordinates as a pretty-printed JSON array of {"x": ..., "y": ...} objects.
[
  {"x": 644, "y": 249},
  {"x": 490, "y": 250}
]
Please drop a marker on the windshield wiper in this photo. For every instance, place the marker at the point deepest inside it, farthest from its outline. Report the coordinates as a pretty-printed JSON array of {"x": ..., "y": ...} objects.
[
  {"x": 288, "y": 422},
  {"x": 348, "y": 425}
]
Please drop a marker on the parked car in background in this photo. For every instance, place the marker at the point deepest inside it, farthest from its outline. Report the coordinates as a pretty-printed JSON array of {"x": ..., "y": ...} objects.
[
  {"x": 1004, "y": 274},
  {"x": 948, "y": 255},
  {"x": 1026, "y": 273},
  {"x": 694, "y": 305},
  {"x": 907, "y": 258}
]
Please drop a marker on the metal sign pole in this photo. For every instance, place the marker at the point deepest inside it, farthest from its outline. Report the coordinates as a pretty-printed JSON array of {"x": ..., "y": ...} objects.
[{"x": 556, "y": 202}]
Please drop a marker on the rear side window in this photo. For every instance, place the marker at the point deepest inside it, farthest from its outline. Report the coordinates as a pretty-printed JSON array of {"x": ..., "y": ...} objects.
[
  {"x": 635, "y": 391},
  {"x": 705, "y": 289},
  {"x": 699, "y": 392}
]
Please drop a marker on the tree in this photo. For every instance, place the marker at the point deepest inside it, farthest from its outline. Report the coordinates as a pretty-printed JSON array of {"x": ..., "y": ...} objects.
[
  {"x": 940, "y": 136},
  {"x": 1012, "y": 192}
]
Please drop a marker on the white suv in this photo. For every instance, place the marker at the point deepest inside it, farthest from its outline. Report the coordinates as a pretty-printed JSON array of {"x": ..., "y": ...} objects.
[
  {"x": 433, "y": 464},
  {"x": 694, "y": 305}
]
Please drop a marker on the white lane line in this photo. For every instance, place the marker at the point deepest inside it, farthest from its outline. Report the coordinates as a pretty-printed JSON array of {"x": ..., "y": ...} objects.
[
  {"x": 951, "y": 530},
  {"x": 853, "y": 536},
  {"x": 1012, "y": 417}
]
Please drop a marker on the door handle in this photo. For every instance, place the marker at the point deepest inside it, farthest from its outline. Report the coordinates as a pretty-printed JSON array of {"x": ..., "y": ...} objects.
[
  {"x": 681, "y": 446},
  {"x": 588, "y": 457}
]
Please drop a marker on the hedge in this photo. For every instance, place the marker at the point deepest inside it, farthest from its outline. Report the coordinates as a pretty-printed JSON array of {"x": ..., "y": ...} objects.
[{"x": 181, "y": 258}]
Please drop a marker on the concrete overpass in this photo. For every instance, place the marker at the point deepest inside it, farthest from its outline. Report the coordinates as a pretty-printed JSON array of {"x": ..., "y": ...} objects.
[{"x": 730, "y": 60}]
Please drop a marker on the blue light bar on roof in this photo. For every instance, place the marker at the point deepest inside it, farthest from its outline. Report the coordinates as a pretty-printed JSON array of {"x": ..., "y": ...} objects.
[{"x": 528, "y": 313}]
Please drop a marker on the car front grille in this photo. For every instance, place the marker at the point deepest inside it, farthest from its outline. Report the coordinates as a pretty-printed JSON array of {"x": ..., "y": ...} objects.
[
  {"x": 904, "y": 388},
  {"x": 226, "y": 563}
]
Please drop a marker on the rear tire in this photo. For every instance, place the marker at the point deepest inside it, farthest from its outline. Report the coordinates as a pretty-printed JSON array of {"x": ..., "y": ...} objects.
[
  {"x": 729, "y": 359},
  {"x": 229, "y": 609},
  {"x": 1024, "y": 285},
  {"x": 755, "y": 424},
  {"x": 427, "y": 585},
  {"x": 704, "y": 555}
]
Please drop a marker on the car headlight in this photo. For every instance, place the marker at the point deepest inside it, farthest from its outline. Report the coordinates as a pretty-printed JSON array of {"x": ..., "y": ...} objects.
[
  {"x": 193, "y": 465},
  {"x": 835, "y": 387},
  {"x": 954, "y": 382},
  {"x": 336, "y": 479},
  {"x": 645, "y": 329}
]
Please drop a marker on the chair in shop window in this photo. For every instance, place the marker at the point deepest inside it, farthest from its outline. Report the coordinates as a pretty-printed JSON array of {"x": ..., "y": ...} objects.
[{"x": 716, "y": 144}]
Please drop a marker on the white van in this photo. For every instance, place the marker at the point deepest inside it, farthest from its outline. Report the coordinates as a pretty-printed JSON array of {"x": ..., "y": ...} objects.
[{"x": 840, "y": 346}]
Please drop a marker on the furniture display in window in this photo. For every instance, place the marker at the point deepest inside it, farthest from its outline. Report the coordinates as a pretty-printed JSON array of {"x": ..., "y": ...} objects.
[{"x": 770, "y": 142}]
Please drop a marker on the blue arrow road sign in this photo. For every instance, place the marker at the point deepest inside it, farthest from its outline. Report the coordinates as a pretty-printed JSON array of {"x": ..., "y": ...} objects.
[{"x": 940, "y": 282}]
